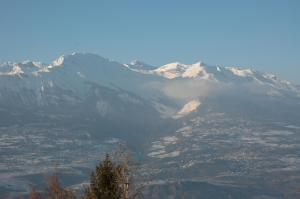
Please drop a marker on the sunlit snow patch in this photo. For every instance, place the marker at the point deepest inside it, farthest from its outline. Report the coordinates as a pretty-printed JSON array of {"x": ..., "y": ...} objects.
[{"x": 188, "y": 108}]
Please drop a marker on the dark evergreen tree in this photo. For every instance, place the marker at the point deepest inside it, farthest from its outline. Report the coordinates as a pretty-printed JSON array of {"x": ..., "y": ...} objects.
[{"x": 104, "y": 182}]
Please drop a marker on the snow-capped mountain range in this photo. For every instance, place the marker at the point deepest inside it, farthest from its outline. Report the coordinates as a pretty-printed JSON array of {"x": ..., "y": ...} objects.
[
  {"x": 94, "y": 64},
  {"x": 177, "y": 117},
  {"x": 178, "y": 84},
  {"x": 93, "y": 67}
]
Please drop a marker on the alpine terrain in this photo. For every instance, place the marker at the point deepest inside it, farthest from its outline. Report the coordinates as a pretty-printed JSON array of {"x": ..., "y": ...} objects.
[{"x": 195, "y": 129}]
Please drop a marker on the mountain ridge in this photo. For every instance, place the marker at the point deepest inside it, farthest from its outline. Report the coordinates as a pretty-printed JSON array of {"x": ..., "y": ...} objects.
[
  {"x": 169, "y": 80},
  {"x": 75, "y": 56},
  {"x": 180, "y": 119}
]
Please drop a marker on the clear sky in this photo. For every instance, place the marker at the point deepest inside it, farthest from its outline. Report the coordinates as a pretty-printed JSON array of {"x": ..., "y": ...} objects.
[{"x": 261, "y": 34}]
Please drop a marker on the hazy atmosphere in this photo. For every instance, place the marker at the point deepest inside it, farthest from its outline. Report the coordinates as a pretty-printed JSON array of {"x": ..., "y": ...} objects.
[
  {"x": 149, "y": 99},
  {"x": 259, "y": 34}
]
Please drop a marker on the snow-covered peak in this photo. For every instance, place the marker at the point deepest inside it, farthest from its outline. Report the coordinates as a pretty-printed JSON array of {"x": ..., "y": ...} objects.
[
  {"x": 241, "y": 72},
  {"x": 31, "y": 64},
  {"x": 173, "y": 66},
  {"x": 6, "y": 68},
  {"x": 79, "y": 59},
  {"x": 216, "y": 73},
  {"x": 139, "y": 66},
  {"x": 58, "y": 62},
  {"x": 194, "y": 70},
  {"x": 25, "y": 67},
  {"x": 11, "y": 70},
  {"x": 95, "y": 68},
  {"x": 177, "y": 69}
]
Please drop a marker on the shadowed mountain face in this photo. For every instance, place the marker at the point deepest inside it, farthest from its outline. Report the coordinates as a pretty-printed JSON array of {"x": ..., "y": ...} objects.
[{"x": 217, "y": 128}]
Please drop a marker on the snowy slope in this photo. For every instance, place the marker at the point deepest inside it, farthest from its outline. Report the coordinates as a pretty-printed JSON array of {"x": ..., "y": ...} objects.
[
  {"x": 90, "y": 67},
  {"x": 139, "y": 66},
  {"x": 176, "y": 69},
  {"x": 168, "y": 88},
  {"x": 188, "y": 108},
  {"x": 199, "y": 76},
  {"x": 219, "y": 73},
  {"x": 193, "y": 117}
]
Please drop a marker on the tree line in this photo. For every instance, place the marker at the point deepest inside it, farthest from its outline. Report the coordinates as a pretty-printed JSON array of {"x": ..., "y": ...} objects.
[{"x": 110, "y": 180}]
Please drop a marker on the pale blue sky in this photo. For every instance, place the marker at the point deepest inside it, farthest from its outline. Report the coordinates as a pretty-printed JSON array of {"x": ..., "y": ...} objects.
[{"x": 261, "y": 34}]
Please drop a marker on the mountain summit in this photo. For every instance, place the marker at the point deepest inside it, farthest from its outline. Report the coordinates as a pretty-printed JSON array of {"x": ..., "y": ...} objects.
[
  {"x": 176, "y": 83},
  {"x": 229, "y": 123}
]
